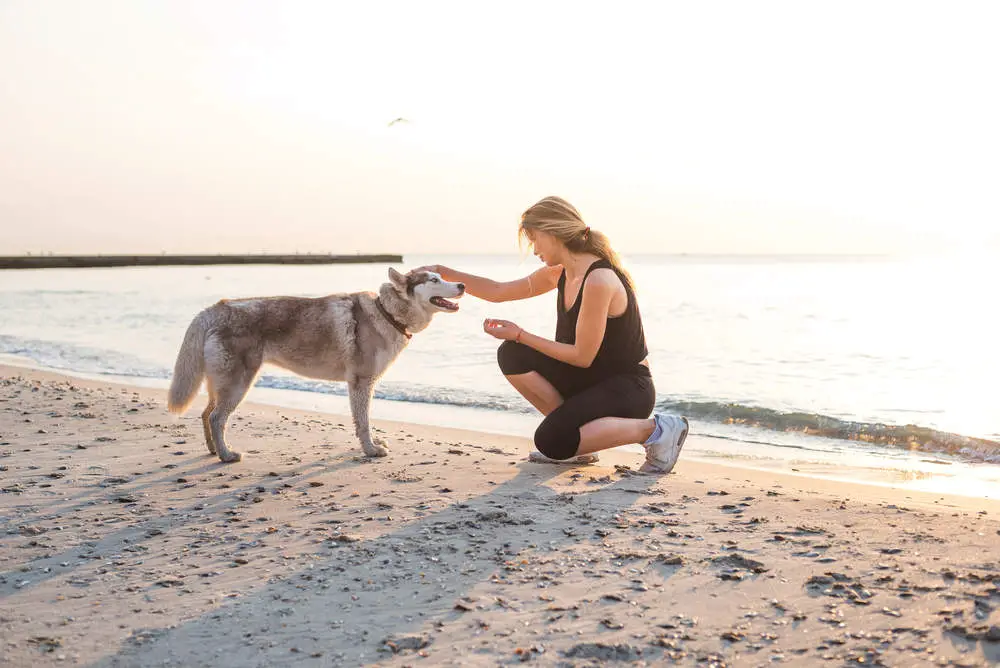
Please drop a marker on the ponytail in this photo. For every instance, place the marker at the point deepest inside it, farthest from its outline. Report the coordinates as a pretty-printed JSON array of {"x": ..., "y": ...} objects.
[{"x": 597, "y": 243}]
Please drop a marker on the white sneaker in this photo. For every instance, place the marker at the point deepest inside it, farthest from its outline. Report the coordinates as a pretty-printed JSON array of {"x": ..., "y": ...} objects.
[
  {"x": 539, "y": 458},
  {"x": 662, "y": 454}
]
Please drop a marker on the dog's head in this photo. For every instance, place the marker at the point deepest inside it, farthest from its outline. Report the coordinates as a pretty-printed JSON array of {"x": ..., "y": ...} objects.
[{"x": 427, "y": 289}]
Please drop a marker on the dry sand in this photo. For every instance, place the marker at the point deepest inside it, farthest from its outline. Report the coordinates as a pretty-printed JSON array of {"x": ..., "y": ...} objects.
[{"x": 125, "y": 544}]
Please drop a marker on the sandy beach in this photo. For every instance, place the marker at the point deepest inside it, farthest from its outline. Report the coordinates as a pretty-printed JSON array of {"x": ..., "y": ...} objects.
[{"x": 125, "y": 544}]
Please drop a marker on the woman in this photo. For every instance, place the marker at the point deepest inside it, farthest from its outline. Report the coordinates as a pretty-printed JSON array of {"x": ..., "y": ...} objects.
[{"x": 592, "y": 383}]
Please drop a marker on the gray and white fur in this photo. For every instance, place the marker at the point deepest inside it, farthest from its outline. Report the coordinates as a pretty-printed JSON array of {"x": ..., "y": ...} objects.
[{"x": 340, "y": 337}]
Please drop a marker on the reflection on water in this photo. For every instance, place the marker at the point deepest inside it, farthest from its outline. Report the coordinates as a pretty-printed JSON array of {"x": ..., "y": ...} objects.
[
  {"x": 925, "y": 475},
  {"x": 909, "y": 476}
]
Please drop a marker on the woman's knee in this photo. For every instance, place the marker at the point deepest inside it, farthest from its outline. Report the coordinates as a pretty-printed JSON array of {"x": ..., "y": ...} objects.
[
  {"x": 556, "y": 438},
  {"x": 514, "y": 358}
]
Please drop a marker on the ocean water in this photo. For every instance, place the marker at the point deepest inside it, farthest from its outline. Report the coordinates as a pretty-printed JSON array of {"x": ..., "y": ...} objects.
[{"x": 833, "y": 356}]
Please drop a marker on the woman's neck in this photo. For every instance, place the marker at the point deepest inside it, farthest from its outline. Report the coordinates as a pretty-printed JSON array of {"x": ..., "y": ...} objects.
[{"x": 576, "y": 264}]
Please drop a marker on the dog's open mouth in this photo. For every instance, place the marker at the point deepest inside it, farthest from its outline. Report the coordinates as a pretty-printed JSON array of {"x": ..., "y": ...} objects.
[{"x": 444, "y": 304}]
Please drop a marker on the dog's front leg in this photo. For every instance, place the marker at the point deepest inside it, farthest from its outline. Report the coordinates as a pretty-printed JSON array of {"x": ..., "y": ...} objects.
[{"x": 360, "y": 391}]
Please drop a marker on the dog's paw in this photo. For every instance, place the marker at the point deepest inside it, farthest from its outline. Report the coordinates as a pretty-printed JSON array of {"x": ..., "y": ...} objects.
[
  {"x": 376, "y": 450},
  {"x": 232, "y": 458}
]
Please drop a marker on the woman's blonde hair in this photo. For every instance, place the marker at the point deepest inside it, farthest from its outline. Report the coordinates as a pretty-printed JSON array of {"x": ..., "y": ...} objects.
[{"x": 557, "y": 217}]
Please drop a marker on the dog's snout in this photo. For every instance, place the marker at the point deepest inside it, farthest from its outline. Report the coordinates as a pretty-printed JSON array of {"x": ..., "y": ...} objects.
[{"x": 461, "y": 287}]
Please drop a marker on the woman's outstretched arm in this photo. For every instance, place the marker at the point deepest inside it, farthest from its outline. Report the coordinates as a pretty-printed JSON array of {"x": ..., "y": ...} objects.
[
  {"x": 538, "y": 282},
  {"x": 591, "y": 325}
]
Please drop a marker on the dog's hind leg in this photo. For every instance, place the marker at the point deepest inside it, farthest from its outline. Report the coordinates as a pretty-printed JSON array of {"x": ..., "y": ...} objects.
[
  {"x": 206, "y": 414},
  {"x": 360, "y": 391},
  {"x": 229, "y": 392},
  {"x": 228, "y": 400}
]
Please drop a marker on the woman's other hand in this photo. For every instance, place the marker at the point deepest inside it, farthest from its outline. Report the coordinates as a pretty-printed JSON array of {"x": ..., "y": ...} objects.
[{"x": 502, "y": 329}]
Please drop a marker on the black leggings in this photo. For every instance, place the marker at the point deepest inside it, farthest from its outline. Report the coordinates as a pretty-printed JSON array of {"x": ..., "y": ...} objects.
[{"x": 585, "y": 399}]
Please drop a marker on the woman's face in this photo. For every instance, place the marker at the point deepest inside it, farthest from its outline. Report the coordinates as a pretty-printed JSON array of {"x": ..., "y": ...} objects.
[{"x": 546, "y": 247}]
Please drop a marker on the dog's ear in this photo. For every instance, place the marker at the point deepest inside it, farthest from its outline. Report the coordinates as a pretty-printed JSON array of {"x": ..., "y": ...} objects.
[{"x": 398, "y": 279}]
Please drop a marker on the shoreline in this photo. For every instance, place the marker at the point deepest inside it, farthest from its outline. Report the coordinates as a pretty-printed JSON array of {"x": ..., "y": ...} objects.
[
  {"x": 125, "y": 544},
  {"x": 890, "y": 468},
  {"x": 816, "y": 475}
]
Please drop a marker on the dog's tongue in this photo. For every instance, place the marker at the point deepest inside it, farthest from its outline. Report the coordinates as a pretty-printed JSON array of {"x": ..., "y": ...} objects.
[{"x": 444, "y": 303}]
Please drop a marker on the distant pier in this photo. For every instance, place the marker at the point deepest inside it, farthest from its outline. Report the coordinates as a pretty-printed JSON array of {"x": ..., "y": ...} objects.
[{"x": 91, "y": 261}]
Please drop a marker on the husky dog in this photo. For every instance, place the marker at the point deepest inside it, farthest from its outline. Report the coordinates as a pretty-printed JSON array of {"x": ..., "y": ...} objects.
[{"x": 343, "y": 337}]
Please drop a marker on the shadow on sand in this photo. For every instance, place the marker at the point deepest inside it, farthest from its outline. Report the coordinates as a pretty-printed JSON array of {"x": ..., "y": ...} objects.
[{"x": 401, "y": 587}]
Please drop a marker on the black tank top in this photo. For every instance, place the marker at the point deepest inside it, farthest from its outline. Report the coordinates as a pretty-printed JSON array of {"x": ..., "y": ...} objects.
[{"x": 624, "y": 344}]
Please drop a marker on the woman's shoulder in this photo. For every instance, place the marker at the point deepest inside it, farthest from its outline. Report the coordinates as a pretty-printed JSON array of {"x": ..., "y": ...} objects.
[
  {"x": 554, "y": 270},
  {"x": 605, "y": 277},
  {"x": 547, "y": 273},
  {"x": 545, "y": 278}
]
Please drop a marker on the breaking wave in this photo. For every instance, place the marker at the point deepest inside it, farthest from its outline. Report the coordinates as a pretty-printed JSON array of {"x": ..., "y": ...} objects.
[{"x": 907, "y": 437}]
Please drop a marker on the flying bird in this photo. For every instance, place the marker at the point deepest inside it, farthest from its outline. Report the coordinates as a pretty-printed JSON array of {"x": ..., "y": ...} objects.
[{"x": 398, "y": 120}]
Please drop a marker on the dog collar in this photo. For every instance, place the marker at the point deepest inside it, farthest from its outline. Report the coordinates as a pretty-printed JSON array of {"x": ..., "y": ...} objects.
[{"x": 395, "y": 323}]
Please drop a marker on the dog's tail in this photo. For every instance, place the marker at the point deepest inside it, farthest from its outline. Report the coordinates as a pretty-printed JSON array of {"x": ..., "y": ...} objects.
[{"x": 189, "y": 369}]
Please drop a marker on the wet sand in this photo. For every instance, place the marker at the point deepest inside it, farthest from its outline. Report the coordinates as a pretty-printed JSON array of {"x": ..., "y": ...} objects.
[{"x": 123, "y": 543}]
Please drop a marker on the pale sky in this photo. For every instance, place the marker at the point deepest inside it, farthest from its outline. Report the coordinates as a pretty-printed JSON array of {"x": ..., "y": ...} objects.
[{"x": 730, "y": 127}]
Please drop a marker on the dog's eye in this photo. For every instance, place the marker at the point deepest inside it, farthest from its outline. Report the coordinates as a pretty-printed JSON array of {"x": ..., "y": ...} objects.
[{"x": 435, "y": 280}]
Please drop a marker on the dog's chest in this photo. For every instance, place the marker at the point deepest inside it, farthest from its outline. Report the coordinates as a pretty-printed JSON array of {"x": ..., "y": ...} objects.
[{"x": 384, "y": 357}]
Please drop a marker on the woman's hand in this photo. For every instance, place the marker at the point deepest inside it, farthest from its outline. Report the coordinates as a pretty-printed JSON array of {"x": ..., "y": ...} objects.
[
  {"x": 502, "y": 329},
  {"x": 436, "y": 268}
]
